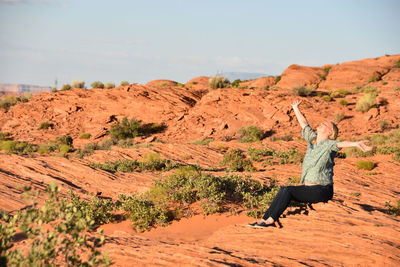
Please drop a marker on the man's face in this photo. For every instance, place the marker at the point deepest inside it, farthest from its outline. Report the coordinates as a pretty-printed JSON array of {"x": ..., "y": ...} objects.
[{"x": 325, "y": 128}]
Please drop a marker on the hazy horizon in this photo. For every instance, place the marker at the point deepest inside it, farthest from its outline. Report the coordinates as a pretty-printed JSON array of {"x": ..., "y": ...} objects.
[{"x": 137, "y": 41}]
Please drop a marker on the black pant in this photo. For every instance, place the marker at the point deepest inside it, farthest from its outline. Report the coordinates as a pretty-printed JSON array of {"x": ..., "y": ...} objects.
[{"x": 300, "y": 193}]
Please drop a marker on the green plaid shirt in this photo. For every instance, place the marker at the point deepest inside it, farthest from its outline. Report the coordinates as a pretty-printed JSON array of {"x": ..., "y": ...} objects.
[{"x": 319, "y": 159}]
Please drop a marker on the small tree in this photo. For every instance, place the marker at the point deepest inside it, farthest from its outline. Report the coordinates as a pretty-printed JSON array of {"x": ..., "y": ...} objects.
[
  {"x": 110, "y": 85},
  {"x": 218, "y": 81},
  {"x": 97, "y": 84}
]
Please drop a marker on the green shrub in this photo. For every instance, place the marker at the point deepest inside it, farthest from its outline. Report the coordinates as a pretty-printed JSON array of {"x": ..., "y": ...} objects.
[
  {"x": 126, "y": 129},
  {"x": 45, "y": 149},
  {"x": 169, "y": 199},
  {"x": 88, "y": 150},
  {"x": 218, "y": 82},
  {"x": 67, "y": 240},
  {"x": 293, "y": 180},
  {"x": 277, "y": 78},
  {"x": 85, "y": 136},
  {"x": 78, "y": 84},
  {"x": 292, "y": 156},
  {"x": 287, "y": 137},
  {"x": 45, "y": 125},
  {"x": 125, "y": 143},
  {"x": 65, "y": 148},
  {"x": 257, "y": 154},
  {"x": 65, "y": 87},
  {"x": 106, "y": 144},
  {"x": 152, "y": 162},
  {"x": 251, "y": 134},
  {"x": 323, "y": 75},
  {"x": 204, "y": 142},
  {"x": 302, "y": 90},
  {"x": 365, "y": 165},
  {"x": 97, "y": 84},
  {"x": 64, "y": 140},
  {"x": 344, "y": 92},
  {"x": 338, "y": 117},
  {"x": 235, "y": 83},
  {"x": 4, "y": 136},
  {"x": 385, "y": 150},
  {"x": 397, "y": 64},
  {"x": 19, "y": 148},
  {"x": 393, "y": 210},
  {"x": 54, "y": 89},
  {"x": 374, "y": 79},
  {"x": 357, "y": 153},
  {"x": 366, "y": 102},
  {"x": 396, "y": 89},
  {"x": 343, "y": 102},
  {"x": 327, "y": 98},
  {"x": 396, "y": 156},
  {"x": 384, "y": 125},
  {"x": 9, "y": 100},
  {"x": 335, "y": 94},
  {"x": 109, "y": 85},
  {"x": 236, "y": 161},
  {"x": 378, "y": 139},
  {"x": 124, "y": 83}
]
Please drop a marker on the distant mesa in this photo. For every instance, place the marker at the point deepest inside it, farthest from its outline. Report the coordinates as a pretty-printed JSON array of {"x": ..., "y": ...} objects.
[
  {"x": 231, "y": 76},
  {"x": 23, "y": 88}
]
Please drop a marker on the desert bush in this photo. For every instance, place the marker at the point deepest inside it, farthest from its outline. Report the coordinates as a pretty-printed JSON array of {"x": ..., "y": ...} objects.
[
  {"x": 386, "y": 150},
  {"x": 397, "y": 64},
  {"x": 344, "y": 92},
  {"x": 65, "y": 87},
  {"x": 292, "y": 156},
  {"x": 327, "y": 98},
  {"x": 236, "y": 161},
  {"x": 366, "y": 102},
  {"x": 9, "y": 100},
  {"x": 277, "y": 78},
  {"x": 357, "y": 153},
  {"x": 45, "y": 125},
  {"x": 256, "y": 154},
  {"x": 169, "y": 199},
  {"x": 54, "y": 89},
  {"x": 323, "y": 75},
  {"x": 124, "y": 83},
  {"x": 85, "y": 136},
  {"x": 396, "y": 156},
  {"x": 152, "y": 162},
  {"x": 87, "y": 150},
  {"x": 152, "y": 128},
  {"x": 4, "y": 136},
  {"x": 374, "y": 79},
  {"x": 204, "y": 142},
  {"x": 393, "y": 210},
  {"x": 293, "y": 180},
  {"x": 287, "y": 137},
  {"x": 66, "y": 240},
  {"x": 302, "y": 90},
  {"x": 64, "y": 140},
  {"x": 378, "y": 139},
  {"x": 126, "y": 129},
  {"x": 338, "y": 117},
  {"x": 235, "y": 83},
  {"x": 384, "y": 125},
  {"x": 335, "y": 94},
  {"x": 251, "y": 134},
  {"x": 365, "y": 165},
  {"x": 109, "y": 85},
  {"x": 106, "y": 144},
  {"x": 97, "y": 84},
  {"x": 343, "y": 102},
  {"x": 125, "y": 143},
  {"x": 78, "y": 84},
  {"x": 19, "y": 148},
  {"x": 218, "y": 81},
  {"x": 45, "y": 149},
  {"x": 65, "y": 148}
]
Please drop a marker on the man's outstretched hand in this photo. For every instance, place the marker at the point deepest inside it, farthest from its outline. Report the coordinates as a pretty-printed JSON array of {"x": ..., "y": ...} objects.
[
  {"x": 362, "y": 145},
  {"x": 296, "y": 103}
]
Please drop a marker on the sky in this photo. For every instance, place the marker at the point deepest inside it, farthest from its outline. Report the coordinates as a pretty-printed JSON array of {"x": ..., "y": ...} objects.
[{"x": 138, "y": 41}]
